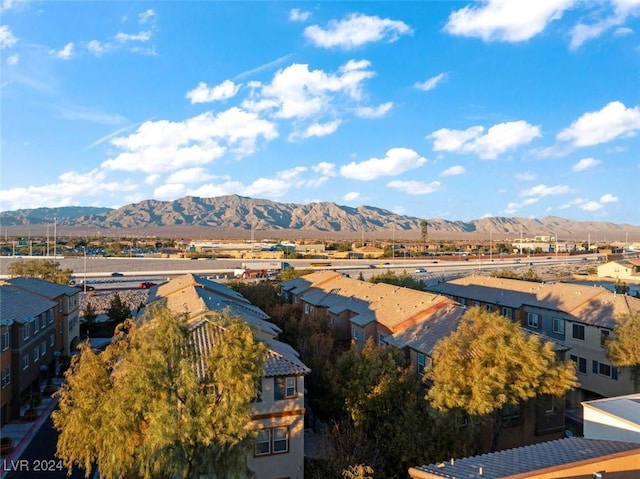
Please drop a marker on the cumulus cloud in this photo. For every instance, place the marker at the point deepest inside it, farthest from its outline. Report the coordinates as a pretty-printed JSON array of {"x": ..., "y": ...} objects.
[
  {"x": 454, "y": 171},
  {"x": 585, "y": 164},
  {"x": 609, "y": 198},
  {"x": 158, "y": 146},
  {"x": 325, "y": 168},
  {"x": 205, "y": 94},
  {"x": 544, "y": 190},
  {"x": 356, "y": 30},
  {"x": 374, "y": 112},
  {"x": 431, "y": 83},
  {"x": 70, "y": 185},
  {"x": 297, "y": 92},
  {"x": 7, "y": 39},
  {"x": 591, "y": 206},
  {"x": 525, "y": 176},
  {"x": 297, "y": 15},
  {"x": 415, "y": 187},
  {"x": 623, "y": 9},
  {"x": 513, "y": 206},
  {"x": 396, "y": 162},
  {"x": 351, "y": 196},
  {"x": 613, "y": 121},
  {"x": 97, "y": 48},
  {"x": 190, "y": 175},
  {"x": 505, "y": 20},
  {"x": 316, "y": 129},
  {"x": 497, "y": 140},
  {"x": 65, "y": 54}
]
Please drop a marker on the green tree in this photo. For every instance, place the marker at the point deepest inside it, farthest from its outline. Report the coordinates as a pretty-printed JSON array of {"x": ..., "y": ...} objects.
[
  {"x": 621, "y": 287},
  {"x": 403, "y": 279},
  {"x": 489, "y": 362},
  {"x": 140, "y": 409},
  {"x": 40, "y": 268},
  {"x": 118, "y": 310},
  {"x": 90, "y": 315},
  {"x": 623, "y": 346}
]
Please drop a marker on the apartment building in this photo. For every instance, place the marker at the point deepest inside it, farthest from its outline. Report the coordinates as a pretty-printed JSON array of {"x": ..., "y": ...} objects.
[
  {"x": 28, "y": 327},
  {"x": 279, "y": 408},
  {"x": 623, "y": 270},
  {"x": 579, "y": 317}
]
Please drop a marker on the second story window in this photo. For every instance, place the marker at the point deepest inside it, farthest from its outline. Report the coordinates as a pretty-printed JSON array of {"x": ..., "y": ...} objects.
[
  {"x": 604, "y": 335},
  {"x": 6, "y": 377},
  {"x": 358, "y": 336},
  {"x": 507, "y": 313},
  {"x": 25, "y": 361},
  {"x": 36, "y": 354},
  {"x": 533, "y": 320},
  {"x": 578, "y": 331},
  {"x": 5, "y": 340},
  {"x": 26, "y": 331},
  {"x": 558, "y": 326},
  {"x": 285, "y": 388}
]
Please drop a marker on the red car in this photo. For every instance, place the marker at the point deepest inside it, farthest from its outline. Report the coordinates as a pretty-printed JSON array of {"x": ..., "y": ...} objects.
[{"x": 147, "y": 284}]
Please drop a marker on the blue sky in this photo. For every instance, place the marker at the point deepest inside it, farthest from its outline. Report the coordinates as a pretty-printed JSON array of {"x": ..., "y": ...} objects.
[{"x": 455, "y": 110}]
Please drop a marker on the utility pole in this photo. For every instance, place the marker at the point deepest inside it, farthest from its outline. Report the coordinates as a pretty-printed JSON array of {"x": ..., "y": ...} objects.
[{"x": 424, "y": 231}]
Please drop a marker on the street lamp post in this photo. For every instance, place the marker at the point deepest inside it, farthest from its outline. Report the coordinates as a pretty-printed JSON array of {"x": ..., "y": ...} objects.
[{"x": 84, "y": 281}]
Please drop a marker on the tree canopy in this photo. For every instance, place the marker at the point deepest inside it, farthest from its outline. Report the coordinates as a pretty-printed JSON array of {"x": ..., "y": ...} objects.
[
  {"x": 140, "y": 408},
  {"x": 623, "y": 346},
  {"x": 40, "y": 268},
  {"x": 118, "y": 309}
]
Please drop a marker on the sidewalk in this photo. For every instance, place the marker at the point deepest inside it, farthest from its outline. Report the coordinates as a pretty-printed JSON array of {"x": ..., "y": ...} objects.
[{"x": 22, "y": 431}]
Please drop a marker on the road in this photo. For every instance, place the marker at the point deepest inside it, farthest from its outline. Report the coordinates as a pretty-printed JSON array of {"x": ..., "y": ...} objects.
[{"x": 38, "y": 460}]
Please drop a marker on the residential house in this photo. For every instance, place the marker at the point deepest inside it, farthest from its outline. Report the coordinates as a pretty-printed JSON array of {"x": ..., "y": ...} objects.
[
  {"x": 279, "y": 409},
  {"x": 29, "y": 320},
  {"x": 610, "y": 449},
  {"x": 579, "y": 317},
  {"x": 623, "y": 270},
  {"x": 67, "y": 334}
]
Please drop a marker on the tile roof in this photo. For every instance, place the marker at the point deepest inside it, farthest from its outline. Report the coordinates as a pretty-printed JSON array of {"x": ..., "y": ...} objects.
[
  {"x": 527, "y": 459},
  {"x": 591, "y": 304},
  {"x": 44, "y": 288},
  {"x": 17, "y": 304}
]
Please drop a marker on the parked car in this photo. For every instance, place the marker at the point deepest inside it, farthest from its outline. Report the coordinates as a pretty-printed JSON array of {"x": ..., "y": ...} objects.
[
  {"x": 147, "y": 285},
  {"x": 117, "y": 274},
  {"x": 420, "y": 270}
]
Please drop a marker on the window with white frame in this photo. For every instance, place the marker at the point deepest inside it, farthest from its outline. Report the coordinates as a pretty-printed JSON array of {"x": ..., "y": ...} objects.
[
  {"x": 381, "y": 338},
  {"x": 272, "y": 441},
  {"x": 533, "y": 320},
  {"x": 26, "y": 330},
  {"x": 36, "y": 325},
  {"x": 51, "y": 340},
  {"x": 36, "y": 354},
  {"x": 6, "y": 340},
  {"x": 43, "y": 321},
  {"x": 51, "y": 316},
  {"x": 422, "y": 362},
  {"x": 578, "y": 331},
  {"x": 6, "y": 377},
  {"x": 43, "y": 348},
  {"x": 558, "y": 326},
  {"x": 263, "y": 442},
  {"x": 306, "y": 308},
  {"x": 25, "y": 361},
  {"x": 285, "y": 388},
  {"x": 507, "y": 312}
]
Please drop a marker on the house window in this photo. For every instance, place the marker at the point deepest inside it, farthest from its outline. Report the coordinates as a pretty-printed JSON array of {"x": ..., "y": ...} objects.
[
  {"x": 488, "y": 307},
  {"x": 51, "y": 340},
  {"x": 43, "y": 321},
  {"x": 510, "y": 411},
  {"x": 263, "y": 442},
  {"x": 5, "y": 340},
  {"x": 550, "y": 404},
  {"x": 533, "y": 320},
  {"x": 285, "y": 388},
  {"x": 50, "y": 314},
  {"x": 475, "y": 303},
  {"x": 36, "y": 326},
  {"x": 26, "y": 330},
  {"x": 306, "y": 308},
  {"x": 258, "y": 396},
  {"x": 6, "y": 377},
  {"x": 422, "y": 360},
  {"x": 581, "y": 362},
  {"x": 358, "y": 336},
  {"x": 604, "y": 335},
  {"x": 36, "y": 354},
  {"x": 558, "y": 326},
  {"x": 604, "y": 369},
  {"x": 507, "y": 313},
  {"x": 578, "y": 331},
  {"x": 280, "y": 442},
  {"x": 381, "y": 338},
  {"x": 25, "y": 361},
  {"x": 43, "y": 348}
]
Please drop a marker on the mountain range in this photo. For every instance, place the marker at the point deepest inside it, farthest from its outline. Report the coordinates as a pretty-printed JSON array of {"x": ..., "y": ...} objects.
[{"x": 235, "y": 216}]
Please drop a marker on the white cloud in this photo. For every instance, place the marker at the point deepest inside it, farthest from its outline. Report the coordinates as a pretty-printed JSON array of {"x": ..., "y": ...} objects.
[
  {"x": 609, "y": 198},
  {"x": 325, "y": 168},
  {"x": 297, "y": 15},
  {"x": 595, "y": 127},
  {"x": 544, "y": 190},
  {"x": 190, "y": 175},
  {"x": 145, "y": 16},
  {"x": 585, "y": 164},
  {"x": 396, "y": 162},
  {"x": 158, "y": 146},
  {"x": 513, "y": 207},
  {"x": 13, "y": 59},
  {"x": 70, "y": 185},
  {"x": 506, "y": 20},
  {"x": 431, "y": 83},
  {"x": 296, "y": 92},
  {"x": 152, "y": 178},
  {"x": 623, "y": 31},
  {"x": 316, "y": 129},
  {"x": 454, "y": 171},
  {"x": 525, "y": 176},
  {"x": 170, "y": 191},
  {"x": 65, "y": 54},
  {"x": 415, "y": 187},
  {"x": 591, "y": 206},
  {"x": 351, "y": 196},
  {"x": 499, "y": 139},
  {"x": 134, "y": 37},
  {"x": 7, "y": 39},
  {"x": 374, "y": 112},
  {"x": 204, "y": 94},
  {"x": 356, "y": 30},
  {"x": 623, "y": 9},
  {"x": 97, "y": 48}
]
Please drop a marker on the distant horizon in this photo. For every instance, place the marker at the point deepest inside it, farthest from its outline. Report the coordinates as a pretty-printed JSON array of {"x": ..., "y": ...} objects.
[{"x": 448, "y": 109}]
